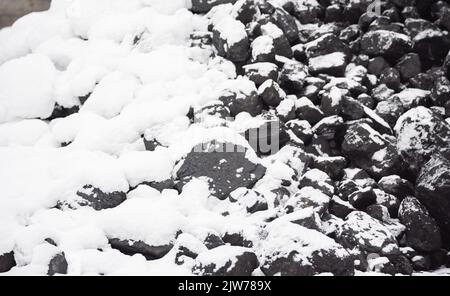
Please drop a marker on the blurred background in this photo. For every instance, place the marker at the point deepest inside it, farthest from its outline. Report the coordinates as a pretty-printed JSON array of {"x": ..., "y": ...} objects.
[{"x": 10, "y": 10}]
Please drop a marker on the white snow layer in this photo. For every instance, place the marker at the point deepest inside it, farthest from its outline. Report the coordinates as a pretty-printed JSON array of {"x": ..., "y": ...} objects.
[{"x": 88, "y": 47}]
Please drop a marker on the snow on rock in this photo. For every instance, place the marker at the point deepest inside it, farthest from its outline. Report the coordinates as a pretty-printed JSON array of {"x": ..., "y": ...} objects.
[
  {"x": 26, "y": 88},
  {"x": 362, "y": 233},
  {"x": 292, "y": 250},
  {"x": 420, "y": 134},
  {"x": 226, "y": 261}
]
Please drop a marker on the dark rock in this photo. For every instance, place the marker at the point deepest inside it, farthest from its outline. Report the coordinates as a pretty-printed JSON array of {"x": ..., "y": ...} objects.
[
  {"x": 396, "y": 186},
  {"x": 231, "y": 40},
  {"x": 292, "y": 77},
  {"x": 350, "y": 33},
  {"x": 62, "y": 112},
  {"x": 306, "y": 110},
  {"x": 219, "y": 164},
  {"x": 409, "y": 66},
  {"x": 308, "y": 197},
  {"x": 203, "y": 6},
  {"x": 240, "y": 101},
  {"x": 421, "y": 263},
  {"x": 245, "y": 10},
  {"x": 340, "y": 208},
  {"x": 151, "y": 143},
  {"x": 332, "y": 166},
  {"x": 307, "y": 218},
  {"x": 391, "y": 202},
  {"x": 433, "y": 190},
  {"x": 58, "y": 265},
  {"x": 432, "y": 47},
  {"x": 440, "y": 93},
  {"x": 288, "y": 250},
  {"x": 422, "y": 231},
  {"x": 335, "y": 102},
  {"x": 410, "y": 12},
  {"x": 98, "y": 200},
  {"x": 280, "y": 42},
  {"x": 398, "y": 264},
  {"x": 319, "y": 180},
  {"x": 301, "y": 129},
  {"x": 379, "y": 212},
  {"x": 328, "y": 127},
  {"x": 366, "y": 148},
  {"x": 162, "y": 185},
  {"x": 226, "y": 261},
  {"x": 237, "y": 239},
  {"x": 391, "y": 78},
  {"x": 377, "y": 65},
  {"x": 260, "y": 72},
  {"x": 420, "y": 134},
  {"x": 362, "y": 198},
  {"x": 271, "y": 93},
  {"x": 269, "y": 137},
  {"x": 346, "y": 188},
  {"x": 252, "y": 200},
  {"x": 287, "y": 24},
  {"x": 215, "y": 109},
  {"x": 388, "y": 44},
  {"x": 131, "y": 247},
  {"x": 326, "y": 44},
  {"x": 382, "y": 93},
  {"x": 390, "y": 110},
  {"x": 213, "y": 240},
  {"x": 7, "y": 262},
  {"x": 427, "y": 80},
  {"x": 187, "y": 248},
  {"x": 332, "y": 64},
  {"x": 362, "y": 232}
]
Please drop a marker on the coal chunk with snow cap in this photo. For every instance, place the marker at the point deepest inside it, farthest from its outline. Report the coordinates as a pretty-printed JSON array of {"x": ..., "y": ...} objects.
[
  {"x": 224, "y": 165},
  {"x": 292, "y": 250},
  {"x": 226, "y": 261},
  {"x": 230, "y": 40}
]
